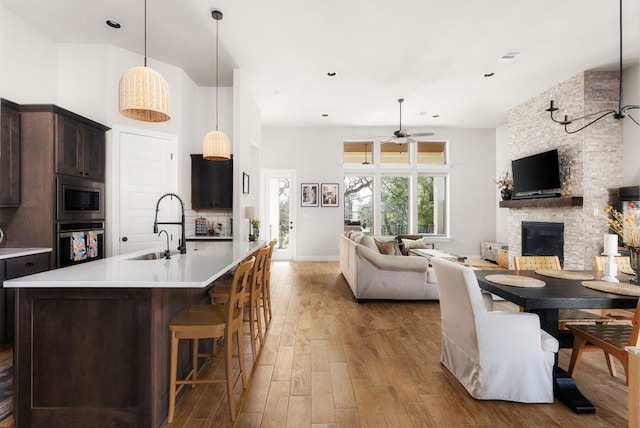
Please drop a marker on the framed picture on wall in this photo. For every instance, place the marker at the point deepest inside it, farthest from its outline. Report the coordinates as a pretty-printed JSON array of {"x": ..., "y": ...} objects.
[
  {"x": 245, "y": 183},
  {"x": 329, "y": 194},
  {"x": 309, "y": 195}
]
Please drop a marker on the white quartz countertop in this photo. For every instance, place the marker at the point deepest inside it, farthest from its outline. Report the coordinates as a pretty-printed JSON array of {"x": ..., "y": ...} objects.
[
  {"x": 209, "y": 237},
  {"x": 204, "y": 262},
  {"x": 9, "y": 253}
]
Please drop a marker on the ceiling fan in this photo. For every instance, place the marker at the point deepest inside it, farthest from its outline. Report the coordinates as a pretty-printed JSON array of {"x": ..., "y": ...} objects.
[{"x": 401, "y": 135}]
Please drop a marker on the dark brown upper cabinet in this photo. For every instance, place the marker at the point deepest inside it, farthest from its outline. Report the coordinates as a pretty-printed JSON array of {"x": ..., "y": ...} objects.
[
  {"x": 9, "y": 154},
  {"x": 80, "y": 148},
  {"x": 211, "y": 183}
]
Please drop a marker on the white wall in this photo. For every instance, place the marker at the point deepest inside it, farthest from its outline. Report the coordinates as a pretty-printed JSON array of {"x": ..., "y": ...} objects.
[
  {"x": 316, "y": 155},
  {"x": 247, "y": 149},
  {"x": 28, "y": 60},
  {"x": 631, "y": 131}
]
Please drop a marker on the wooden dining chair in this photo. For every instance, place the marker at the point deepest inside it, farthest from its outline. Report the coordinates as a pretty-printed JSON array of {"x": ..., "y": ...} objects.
[
  {"x": 610, "y": 338},
  {"x": 623, "y": 263},
  {"x": 536, "y": 262},
  {"x": 219, "y": 294},
  {"x": 634, "y": 387},
  {"x": 565, "y": 316},
  {"x": 211, "y": 322}
]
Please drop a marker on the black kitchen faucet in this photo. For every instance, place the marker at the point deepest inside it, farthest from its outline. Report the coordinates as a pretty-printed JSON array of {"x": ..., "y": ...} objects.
[{"x": 182, "y": 244}]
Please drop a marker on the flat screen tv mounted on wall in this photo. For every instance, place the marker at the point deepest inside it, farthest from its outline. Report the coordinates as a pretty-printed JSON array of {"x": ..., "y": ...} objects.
[{"x": 535, "y": 175}]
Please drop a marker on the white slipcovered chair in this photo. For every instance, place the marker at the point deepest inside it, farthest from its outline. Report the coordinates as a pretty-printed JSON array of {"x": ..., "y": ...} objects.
[{"x": 495, "y": 355}]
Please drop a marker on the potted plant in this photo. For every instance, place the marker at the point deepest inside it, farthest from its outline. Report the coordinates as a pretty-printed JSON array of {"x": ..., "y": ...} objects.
[
  {"x": 255, "y": 225},
  {"x": 505, "y": 185}
]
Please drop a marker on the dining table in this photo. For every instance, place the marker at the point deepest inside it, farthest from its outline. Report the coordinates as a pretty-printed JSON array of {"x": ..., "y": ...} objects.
[{"x": 546, "y": 301}]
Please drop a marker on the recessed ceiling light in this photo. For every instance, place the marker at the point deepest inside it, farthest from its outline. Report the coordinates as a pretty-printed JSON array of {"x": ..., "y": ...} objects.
[
  {"x": 489, "y": 74},
  {"x": 331, "y": 73},
  {"x": 113, "y": 24}
]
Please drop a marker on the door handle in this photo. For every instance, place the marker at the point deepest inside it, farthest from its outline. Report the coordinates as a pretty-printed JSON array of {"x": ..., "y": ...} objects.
[{"x": 125, "y": 239}]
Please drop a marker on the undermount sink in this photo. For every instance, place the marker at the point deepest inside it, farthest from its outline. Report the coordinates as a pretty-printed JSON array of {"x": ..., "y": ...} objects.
[{"x": 152, "y": 256}]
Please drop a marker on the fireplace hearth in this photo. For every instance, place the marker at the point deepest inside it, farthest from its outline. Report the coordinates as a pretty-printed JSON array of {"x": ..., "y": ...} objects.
[{"x": 543, "y": 239}]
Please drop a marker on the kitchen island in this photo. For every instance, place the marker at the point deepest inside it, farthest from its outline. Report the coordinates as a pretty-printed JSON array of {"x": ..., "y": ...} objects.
[{"x": 92, "y": 342}]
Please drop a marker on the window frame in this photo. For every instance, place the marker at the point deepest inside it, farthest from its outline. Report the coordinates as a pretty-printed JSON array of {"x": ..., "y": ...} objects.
[{"x": 412, "y": 170}]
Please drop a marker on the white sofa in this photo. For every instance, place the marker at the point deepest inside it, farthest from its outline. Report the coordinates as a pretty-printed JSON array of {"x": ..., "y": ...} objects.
[{"x": 372, "y": 275}]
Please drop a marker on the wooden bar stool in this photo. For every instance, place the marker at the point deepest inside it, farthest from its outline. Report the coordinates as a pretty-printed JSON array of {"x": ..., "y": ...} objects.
[
  {"x": 219, "y": 294},
  {"x": 207, "y": 321},
  {"x": 266, "y": 292}
]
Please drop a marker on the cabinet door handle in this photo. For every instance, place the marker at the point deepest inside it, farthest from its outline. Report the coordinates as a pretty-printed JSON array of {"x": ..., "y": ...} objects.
[
  {"x": 29, "y": 264},
  {"x": 125, "y": 239}
]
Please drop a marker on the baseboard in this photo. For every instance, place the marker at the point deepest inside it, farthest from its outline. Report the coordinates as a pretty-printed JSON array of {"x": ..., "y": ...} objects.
[{"x": 317, "y": 258}]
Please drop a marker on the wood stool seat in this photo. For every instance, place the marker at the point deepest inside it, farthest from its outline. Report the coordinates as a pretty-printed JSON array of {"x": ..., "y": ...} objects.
[{"x": 208, "y": 321}]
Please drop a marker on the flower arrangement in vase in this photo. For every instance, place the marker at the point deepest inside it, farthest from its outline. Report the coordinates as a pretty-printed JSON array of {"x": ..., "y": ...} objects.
[
  {"x": 627, "y": 225},
  {"x": 505, "y": 185}
]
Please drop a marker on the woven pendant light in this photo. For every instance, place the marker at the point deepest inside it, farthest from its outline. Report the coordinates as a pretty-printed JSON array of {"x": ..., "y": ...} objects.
[
  {"x": 143, "y": 94},
  {"x": 216, "y": 145}
]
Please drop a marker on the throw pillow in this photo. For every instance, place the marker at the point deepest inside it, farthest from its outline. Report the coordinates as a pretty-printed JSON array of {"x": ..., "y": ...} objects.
[
  {"x": 399, "y": 238},
  {"x": 388, "y": 247},
  {"x": 410, "y": 244}
]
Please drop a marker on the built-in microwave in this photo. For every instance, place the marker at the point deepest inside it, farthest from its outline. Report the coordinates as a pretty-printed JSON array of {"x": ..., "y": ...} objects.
[{"x": 79, "y": 199}]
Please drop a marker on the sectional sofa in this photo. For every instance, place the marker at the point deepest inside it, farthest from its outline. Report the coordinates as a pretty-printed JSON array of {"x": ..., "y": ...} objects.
[{"x": 387, "y": 275}]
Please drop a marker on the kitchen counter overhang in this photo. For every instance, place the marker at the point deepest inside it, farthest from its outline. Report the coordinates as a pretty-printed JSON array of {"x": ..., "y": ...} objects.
[
  {"x": 92, "y": 341},
  {"x": 203, "y": 263}
]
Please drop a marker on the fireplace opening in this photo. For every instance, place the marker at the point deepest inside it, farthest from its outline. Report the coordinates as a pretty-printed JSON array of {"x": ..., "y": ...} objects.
[{"x": 543, "y": 239}]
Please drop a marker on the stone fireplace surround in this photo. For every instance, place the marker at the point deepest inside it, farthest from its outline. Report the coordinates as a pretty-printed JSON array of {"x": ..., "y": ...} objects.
[{"x": 591, "y": 159}]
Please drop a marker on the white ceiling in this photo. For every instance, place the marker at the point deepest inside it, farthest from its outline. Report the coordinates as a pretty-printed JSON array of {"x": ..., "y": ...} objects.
[{"x": 431, "y": 53}]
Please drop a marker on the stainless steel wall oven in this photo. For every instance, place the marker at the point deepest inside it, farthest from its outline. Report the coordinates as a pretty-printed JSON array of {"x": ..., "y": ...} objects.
[{"x": 79, "y": 243}]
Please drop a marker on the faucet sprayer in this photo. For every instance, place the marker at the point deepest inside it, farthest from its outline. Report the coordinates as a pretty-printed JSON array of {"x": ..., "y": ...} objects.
[
  {"x": 167, "y": 252},
  {"x": 182, "y": 247}
]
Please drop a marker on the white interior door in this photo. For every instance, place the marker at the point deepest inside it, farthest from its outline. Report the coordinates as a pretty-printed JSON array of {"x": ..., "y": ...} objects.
[
  {"x": 146, "y": 168},
  {"x": 278, "y": 216}
]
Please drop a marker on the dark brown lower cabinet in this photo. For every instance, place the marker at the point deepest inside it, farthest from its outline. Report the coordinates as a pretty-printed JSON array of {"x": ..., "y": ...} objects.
[
  {"x": 10, "y": 268},
  {"x": 96, "y": 357}
]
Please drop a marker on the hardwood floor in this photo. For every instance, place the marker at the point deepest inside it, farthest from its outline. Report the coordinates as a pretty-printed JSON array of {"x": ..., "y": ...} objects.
[{"x": 331, "y": 362}]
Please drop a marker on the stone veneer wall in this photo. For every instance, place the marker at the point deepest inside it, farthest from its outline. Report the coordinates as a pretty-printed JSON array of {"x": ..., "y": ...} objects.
[{"x": 591, "y": 159}]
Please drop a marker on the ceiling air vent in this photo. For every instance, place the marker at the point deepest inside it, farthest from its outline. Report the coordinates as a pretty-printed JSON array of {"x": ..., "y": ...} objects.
[{"x": 509, "y": 56}]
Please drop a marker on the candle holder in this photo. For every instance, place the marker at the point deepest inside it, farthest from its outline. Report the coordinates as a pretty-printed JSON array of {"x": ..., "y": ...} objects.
[{"x": 610, "y": 268}]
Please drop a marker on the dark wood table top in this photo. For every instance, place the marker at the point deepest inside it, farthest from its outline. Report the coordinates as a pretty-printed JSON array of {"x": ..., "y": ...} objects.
[{"x": 557, "y": 293}]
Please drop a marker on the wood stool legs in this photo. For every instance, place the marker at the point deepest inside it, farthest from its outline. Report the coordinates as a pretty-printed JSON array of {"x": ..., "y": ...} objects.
[
  {"x": 173, "y": 371},
  {"x": 211, "y": 322}
]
